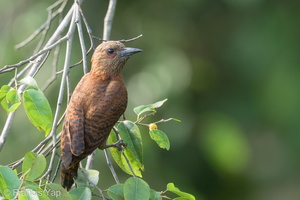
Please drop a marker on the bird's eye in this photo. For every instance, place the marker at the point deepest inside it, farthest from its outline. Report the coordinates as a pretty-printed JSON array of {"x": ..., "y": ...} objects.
[{"x": 110, "y": 51}]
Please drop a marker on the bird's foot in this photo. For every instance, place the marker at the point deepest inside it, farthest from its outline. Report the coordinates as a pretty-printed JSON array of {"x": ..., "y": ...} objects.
[{"x": 120, "y": 145}]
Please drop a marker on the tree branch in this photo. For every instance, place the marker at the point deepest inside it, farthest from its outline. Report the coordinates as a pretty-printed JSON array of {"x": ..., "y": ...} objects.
[{"x": 108, "y": 20}]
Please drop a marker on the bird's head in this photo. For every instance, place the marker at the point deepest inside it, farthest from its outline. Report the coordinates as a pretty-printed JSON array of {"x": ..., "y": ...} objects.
[{"x": 110, "y": 57}]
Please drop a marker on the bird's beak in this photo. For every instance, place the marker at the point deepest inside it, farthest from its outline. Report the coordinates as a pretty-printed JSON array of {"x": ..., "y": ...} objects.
[{"x": 128, "y": 51}]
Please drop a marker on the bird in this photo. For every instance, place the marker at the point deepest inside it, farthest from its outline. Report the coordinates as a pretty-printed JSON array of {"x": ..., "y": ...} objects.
[{"x": 97, "y": 103}]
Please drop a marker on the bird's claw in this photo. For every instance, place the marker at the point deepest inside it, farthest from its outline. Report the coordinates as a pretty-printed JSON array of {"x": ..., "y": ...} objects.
[{"x": 120, "y": 145}]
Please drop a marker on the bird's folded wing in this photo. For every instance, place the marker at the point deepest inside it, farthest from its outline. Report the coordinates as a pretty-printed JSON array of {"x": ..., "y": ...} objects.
[{"x": 76, "y": 131}]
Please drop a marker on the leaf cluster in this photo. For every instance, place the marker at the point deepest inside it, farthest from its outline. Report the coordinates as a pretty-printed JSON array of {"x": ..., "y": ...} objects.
[
  {"x": 32, "y": 182},
  {"x": 35, "y": 103}
]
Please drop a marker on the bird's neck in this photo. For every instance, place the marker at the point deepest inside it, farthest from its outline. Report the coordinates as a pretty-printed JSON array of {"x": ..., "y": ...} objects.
[
  {"x": 103, "y": 74},
  {"x": 104, "y": 70}
]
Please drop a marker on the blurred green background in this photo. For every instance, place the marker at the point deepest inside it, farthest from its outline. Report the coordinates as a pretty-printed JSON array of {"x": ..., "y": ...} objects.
[{"x": 230, "y": 70}]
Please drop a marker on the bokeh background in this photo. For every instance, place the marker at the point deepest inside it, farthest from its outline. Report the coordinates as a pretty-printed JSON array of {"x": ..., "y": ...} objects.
[{"x": 230, "y": 70}]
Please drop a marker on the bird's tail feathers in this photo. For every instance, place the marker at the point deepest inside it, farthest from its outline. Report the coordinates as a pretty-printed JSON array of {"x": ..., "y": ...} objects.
[{"x": 67, "y": 176}]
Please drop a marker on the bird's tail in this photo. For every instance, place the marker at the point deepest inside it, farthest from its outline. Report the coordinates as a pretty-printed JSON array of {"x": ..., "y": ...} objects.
[{"x": 67, "y": 176}]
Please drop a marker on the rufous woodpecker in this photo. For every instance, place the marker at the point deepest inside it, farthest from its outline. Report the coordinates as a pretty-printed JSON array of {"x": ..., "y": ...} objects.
[{"x": 97, "y": 103}]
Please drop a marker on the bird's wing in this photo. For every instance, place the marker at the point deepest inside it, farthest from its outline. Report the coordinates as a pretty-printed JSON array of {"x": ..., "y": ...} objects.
[
  {"x": 72, "y": 136},
  {"x": 66, "y": 145},
  {"x": 76, "y": 131}
]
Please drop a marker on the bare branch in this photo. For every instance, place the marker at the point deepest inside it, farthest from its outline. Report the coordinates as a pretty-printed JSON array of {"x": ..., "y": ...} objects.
[
  {"x": 132, "y": 39},
  {"x": 81, "y": 39},
  {"x": 108, "y": 20}
]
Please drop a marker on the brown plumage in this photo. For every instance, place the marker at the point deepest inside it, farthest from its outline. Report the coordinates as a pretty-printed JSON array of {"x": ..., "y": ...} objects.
[{"x": 98, "y": 101}]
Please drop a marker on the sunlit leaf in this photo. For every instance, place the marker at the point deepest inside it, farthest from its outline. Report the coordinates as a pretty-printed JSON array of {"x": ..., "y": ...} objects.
[
  {"x": 136, "y": 145},
  {"x": 117, "y": 155},
  {"x": 148, "y": 108},
  {"x": 11, "y": 100},
  {"x": 9, "y": 182},
  {"x": 171, "y": 188},
  {"x": 136, "y": 189},
  {"x": 131, "y": 136},
  {"x": 33, "y": 166},
  {"x": 30, "y": 82},
  {"x": 5, "y": 105},
  {"x": 3, "y": 91},
  {"x": 13, "y": 107},
  {"x": 38, "y": 110},
  {"x": 160, "y": 138},
  {"x": 12, "y": 97},
  {"x": 116, "y": 192}
]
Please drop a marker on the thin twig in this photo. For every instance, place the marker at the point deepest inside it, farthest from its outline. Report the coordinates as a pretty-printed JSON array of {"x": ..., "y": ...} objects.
[
  {"x": 76, "y": 64},
  {"x": 163, "y": 120},
  {"x": 81, "y": 40},
  {"x": 91, "y": 183},
  {"x": 132, "y": 39},
  {"x": 54, "y": 68},
  {"x": 108, "y": 160},
  {"x": 6, "y": 128},
  {"x": 56, "y": 171},
  {"x": 111, "y": 167},
  {"x": 88, "y": 29},
  {"x": 90, "y": 160},
  {"x": 128, "y": 163}
]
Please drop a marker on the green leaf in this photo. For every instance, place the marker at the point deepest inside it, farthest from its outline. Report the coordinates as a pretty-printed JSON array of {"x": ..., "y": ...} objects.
[
  {"x": 11, "y": 100},
  {"x": 9, "y": 182},
  {"x": 33, "y": 166},
  {"x": 56, "y": 192},
  {"x": 117, "y": 155},
  {"x": 3, "y": 91},
  {"x": 38, "y": 110},
  {"x": 148, "y": 108},
  {"x": 154, "y": 195},
  {"x": 136, "y": 145},
  {"x": 12, "y": 97},
  {"x": 5, "y": 104},
  {"x": 81, "y": 193},
  {"x": 171, "y": 187},
  {"x": 92, "y": 175},
  {"x": 14, "y": 107},
  {"x": 131, "y": 135},
  {"x": 116, "y": 192},
  {"x": 160, "y": 138},
  {"x": 30, "y": 82},
  {"x": 136, "y": 189},
  {"x": 32, "y": 194},
  {"x": 9, "y": 107},
  {"x": 31, "y": 190}
]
